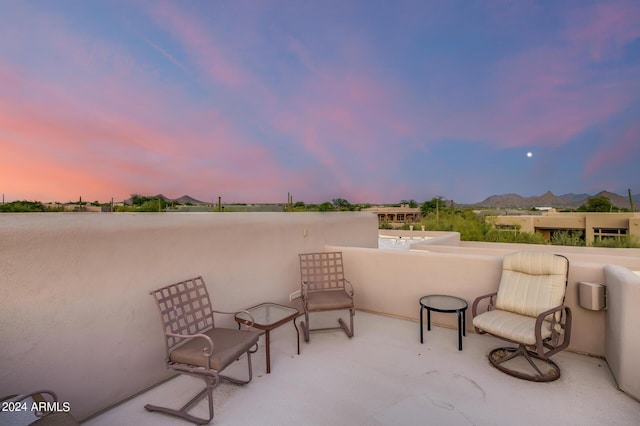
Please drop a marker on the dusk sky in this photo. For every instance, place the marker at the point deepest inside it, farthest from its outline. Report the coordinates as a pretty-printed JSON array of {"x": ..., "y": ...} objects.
[{"x": 371, "y": 101}]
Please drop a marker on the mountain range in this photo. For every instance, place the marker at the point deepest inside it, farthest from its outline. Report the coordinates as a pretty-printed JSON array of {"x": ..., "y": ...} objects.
[
  {"x": 549, "y": 199},
  {"x": 185, "y": 199}
]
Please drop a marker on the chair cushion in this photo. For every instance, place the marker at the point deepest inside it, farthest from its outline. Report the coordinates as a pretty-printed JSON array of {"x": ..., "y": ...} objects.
[
  {"x": 328, "y": 300},
  {"x": 228, "y": 345},
  {"x": 531, "y": 283},
  {"x": 515, "y": 327}
]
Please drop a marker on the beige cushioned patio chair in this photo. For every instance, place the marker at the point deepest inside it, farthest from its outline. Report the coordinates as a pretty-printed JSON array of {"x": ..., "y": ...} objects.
[
  {"x": 49, "y": 410},
  {"x": 528, "y": 309},
  {"x": 324, "y": 288},
  {"x": 194, "y": 345}
]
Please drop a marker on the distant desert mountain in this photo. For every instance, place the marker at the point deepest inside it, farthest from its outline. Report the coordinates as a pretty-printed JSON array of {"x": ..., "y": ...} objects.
[
  {"x": 619, "y": 200},
  {"x": 549, "y": 199},
  {"x": 578, "y": 198},
  {"x": 503, "y": 201},
  {"x": 185, "y": 199},
  {"x": 161, "y": 196}
]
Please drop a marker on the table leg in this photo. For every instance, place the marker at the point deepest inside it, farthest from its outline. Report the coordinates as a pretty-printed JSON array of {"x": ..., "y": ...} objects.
[
  {"x": 464, "y": 322},
  {"x": 460, "y": 330},
  {"x": 428, "y": 319},
  {"x": 297, "y": 334},
  {"x": 267, "y": 350},
  {"x": 421, "y": 324}
]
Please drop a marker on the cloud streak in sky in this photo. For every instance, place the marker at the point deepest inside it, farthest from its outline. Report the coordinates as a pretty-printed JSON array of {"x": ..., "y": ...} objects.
[{"x": 372, "y": 103}]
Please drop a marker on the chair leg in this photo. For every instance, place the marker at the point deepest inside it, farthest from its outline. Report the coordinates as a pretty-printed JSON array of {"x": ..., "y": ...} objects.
[
  {"x": 500, "y": 356},
  {"x": 348, "y": 329},
  {"x": 211, "y": 383},
  {"x": 239, "y": 381},
  {"x": 305, "y": 326}
]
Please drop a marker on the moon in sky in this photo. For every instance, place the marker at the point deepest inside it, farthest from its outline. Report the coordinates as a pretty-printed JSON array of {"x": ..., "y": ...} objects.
[{"x": 529, "y": 154}]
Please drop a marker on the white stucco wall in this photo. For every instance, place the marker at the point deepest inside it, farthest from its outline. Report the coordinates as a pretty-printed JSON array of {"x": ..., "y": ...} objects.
[
  {"x": 76, "y": 317},
  {"x": 75, "y": 312},
  {"x": 622, "y": 337},
  {"x": 392, "y": 282}
]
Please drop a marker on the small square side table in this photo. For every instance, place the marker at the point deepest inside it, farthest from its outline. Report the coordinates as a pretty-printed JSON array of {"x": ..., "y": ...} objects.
[{"x": 267, "y": 316}]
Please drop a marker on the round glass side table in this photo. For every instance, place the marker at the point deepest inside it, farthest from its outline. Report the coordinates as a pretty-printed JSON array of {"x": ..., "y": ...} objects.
[{"x": 446, "y": 304}]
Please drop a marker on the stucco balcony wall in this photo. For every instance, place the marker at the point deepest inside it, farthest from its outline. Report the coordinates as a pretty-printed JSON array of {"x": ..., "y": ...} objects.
[
  {"x": 395, "y": 280},
  {"x": 391, "y": 282},
  {"x": 75, "y": 310},
  {"x": 621, "y": 333},
  {"x": 627, "y": 257},
  {"x": 76, "y": 317}
]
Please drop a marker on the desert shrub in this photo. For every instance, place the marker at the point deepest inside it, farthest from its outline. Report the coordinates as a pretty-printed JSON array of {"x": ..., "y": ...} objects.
[
  {"x": 22, "y": 207},
  {"x": 567, "y": 238},
  {"x": 385, "y": 225},
  {"x": 497, "y": 236},
  {"x": 626, "y": 241}
]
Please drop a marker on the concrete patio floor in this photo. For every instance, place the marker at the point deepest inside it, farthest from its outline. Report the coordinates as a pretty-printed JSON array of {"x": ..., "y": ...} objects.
[{"x": 384, "y": 376}]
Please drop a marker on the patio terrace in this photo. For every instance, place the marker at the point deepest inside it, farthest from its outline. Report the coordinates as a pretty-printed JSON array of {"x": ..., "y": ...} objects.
[
  {"x": 76, "y": 318},
  {"x": 384, "y": 376}
]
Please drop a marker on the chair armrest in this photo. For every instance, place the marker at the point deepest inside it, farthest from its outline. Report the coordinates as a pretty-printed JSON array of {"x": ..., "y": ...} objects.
[
  {"x": 207, "y": 351},
  {"x": 567, "y": 329},
  {"x": 39, "y": 392},
  {"x": 252, "y": 321},
  {"x": 474, "y": 307},
  {"x": 350, "y": 290}
]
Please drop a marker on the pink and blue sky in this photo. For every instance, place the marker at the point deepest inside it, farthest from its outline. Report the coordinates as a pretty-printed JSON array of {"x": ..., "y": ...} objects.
[{"x": 371, "y": 101}]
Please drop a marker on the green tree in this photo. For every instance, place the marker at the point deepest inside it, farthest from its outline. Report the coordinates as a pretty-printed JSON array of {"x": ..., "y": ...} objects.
[
  {"x": 153, "y": 205},
  {"x": 22, "y": 207},
  {"x": 144, "y": 204},
  {"x": 412, "y": 203},
  {"x": 342, "y": 204},
  {"x": 434, "y": 205},
  {"x": 473, "y": 227},
  {"x": 139, "y": 200},
  {"x": 598, "y": 203},
  {"x": 326, "y": 207}
]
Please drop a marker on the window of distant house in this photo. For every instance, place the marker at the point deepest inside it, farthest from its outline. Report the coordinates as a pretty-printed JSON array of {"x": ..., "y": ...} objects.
[
  {"x": 600, "y": 233},
  {"x": 511, "y": 228}
]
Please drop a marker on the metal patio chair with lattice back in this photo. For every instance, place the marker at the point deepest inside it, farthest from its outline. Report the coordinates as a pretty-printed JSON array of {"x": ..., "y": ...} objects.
[
  {"x": 195, "y": 346},
  {"x": 528, "y": 309},
  {"x": 324, "y": 288}
]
